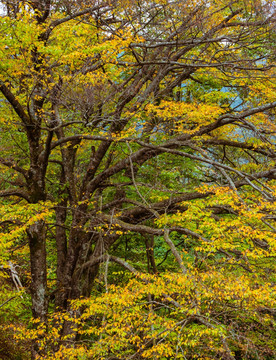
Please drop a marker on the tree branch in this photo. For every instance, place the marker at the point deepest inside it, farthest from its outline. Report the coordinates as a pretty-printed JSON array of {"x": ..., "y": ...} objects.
[
  {"x": 15, "y": 192},
  {"x": 18, "y": 108}
]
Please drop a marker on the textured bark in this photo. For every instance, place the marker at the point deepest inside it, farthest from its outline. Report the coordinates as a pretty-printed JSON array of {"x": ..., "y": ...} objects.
[
  {"x": 61, "y": 243},
  {"x": 37, "y": 244}
]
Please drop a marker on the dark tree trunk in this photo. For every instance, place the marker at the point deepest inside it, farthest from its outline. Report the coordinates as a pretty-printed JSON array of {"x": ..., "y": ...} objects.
[
  {"x": 150, "y": 254},
  {"x": 61, "y": 243}
]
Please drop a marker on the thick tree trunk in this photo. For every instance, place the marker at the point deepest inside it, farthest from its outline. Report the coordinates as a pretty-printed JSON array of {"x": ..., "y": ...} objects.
[
  {"x": 37, "y": 244},
  {"x": 61, "y": 243}
]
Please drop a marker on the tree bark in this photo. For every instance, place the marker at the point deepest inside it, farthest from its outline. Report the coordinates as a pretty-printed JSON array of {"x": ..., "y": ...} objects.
[{"x": 37, "y": 244}]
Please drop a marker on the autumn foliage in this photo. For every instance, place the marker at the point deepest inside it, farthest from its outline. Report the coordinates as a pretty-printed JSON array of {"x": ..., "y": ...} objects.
[{"x": 137, "y": 184}]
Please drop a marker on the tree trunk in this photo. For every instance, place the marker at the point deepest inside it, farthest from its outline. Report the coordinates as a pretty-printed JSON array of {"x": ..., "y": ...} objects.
[
  {"x": 37, "y": 244},
  {"x": 61, "y": 243}
]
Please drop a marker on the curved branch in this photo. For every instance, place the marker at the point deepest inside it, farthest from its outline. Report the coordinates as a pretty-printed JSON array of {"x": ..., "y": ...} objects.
[
  {"x": 144, "y": 229},
  {"x": 55, "y": 23},
  {"x": 18, "y": 108},
  {"x": 241, "y": 145},
  {"x": 15, "y": 192}
]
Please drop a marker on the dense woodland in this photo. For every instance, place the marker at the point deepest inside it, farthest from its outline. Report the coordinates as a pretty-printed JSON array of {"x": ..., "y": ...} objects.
[{"x": 137, "y": 182}]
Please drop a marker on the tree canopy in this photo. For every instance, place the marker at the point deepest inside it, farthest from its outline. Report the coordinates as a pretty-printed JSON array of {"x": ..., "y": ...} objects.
[{"x": 137, "y": 191}]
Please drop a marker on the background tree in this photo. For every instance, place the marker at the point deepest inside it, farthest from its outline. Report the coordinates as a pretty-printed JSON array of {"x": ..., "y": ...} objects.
[{"x": 141, "y": 134}]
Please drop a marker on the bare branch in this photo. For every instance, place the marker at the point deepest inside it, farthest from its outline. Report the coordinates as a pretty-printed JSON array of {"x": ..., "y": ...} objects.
[
  {"x": 174, "y": 251},
  {"x": 15, "y": 192}
]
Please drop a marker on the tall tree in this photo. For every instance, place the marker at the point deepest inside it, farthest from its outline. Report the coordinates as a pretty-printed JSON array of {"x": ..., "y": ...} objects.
[{"x": 128, "y": 123}]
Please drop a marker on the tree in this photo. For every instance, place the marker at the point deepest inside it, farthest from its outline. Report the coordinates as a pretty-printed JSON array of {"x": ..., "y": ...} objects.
[{"x": 128, "y": 123}]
